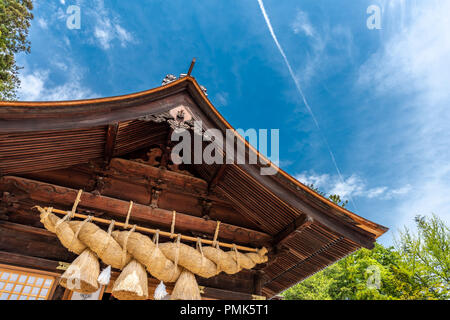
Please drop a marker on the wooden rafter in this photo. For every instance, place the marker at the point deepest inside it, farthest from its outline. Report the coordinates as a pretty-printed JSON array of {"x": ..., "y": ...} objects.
[
  {"x": 296, "y": 227},
  {"x": 217, "y": 176}
]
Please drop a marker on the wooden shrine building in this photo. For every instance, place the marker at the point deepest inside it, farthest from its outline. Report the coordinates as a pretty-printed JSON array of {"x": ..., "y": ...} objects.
[{"x": 117, "y": 150}]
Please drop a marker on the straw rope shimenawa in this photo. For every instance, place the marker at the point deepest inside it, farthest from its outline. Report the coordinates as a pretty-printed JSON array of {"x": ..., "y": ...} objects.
[
  {"x": 132, "y": 282},
  {"x": 81, "y": 276},
  {"x": 161, "y": 233},
  {"x": 147, "y": 252},
  {"x": 186, "y": 287},
  {"x": 132, "y": 252}
]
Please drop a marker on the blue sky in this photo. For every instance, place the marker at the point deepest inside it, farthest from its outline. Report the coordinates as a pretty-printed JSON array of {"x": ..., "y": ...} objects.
[{"x": 380, "y": 97}]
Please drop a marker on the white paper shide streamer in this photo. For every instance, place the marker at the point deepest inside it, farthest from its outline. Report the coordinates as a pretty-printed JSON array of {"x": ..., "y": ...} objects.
[
  {"x": 160, "y": 291},
  {"x": 104, "y": 276}
]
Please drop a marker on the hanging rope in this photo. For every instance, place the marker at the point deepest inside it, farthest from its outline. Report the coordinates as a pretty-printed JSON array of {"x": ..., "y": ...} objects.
[
  {"x": 198, "y": 246},
  {"x": 216, "y": 233},
  {"x": 236, "y": 255},
  {"x": 75, "y": 204},
  {"x": 156, "y": 238},
  {"x": 65, "y": 218},
  {"x": 46, "y": 212},
  {"x": 110, "y": 229},
  {"x": 124, "y": 249},
  {"x": 71, "y": 213},
  {"x": 111, "y": 226},
  {"x": 128, "y": 214},
  {"x": 75, "y": 235},
  {"x": 177, "y": 252},
  {"x": 172, "y": 227}
]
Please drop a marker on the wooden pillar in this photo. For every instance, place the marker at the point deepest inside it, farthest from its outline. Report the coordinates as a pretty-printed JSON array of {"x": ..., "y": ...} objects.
[{"x": 258, "y": 282}]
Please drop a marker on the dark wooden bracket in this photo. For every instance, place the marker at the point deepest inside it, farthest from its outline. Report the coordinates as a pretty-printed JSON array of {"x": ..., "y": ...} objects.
[
  {"x": 293, "y": 229},
  {"x": 99, "y": 185},
  {"x": 155, "y": 197},
  {"x": 111, "y": 136},
  {"x": 217, "y": 176},
  {"x": 206, "y": 208}
]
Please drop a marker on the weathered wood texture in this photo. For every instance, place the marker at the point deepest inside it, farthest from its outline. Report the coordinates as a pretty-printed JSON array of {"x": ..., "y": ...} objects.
[
  {"x": 95, "y": 112},
  {"x": 33, "y": 242},
  {"x": 111, "y": 136},
  {"x": 291, "y": 230},
  {"x": 130, "y": 180},
  {"x": 159, "y": 217}
]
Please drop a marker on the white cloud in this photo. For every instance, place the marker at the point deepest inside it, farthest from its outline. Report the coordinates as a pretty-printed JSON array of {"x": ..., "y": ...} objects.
[
  {"x": 100, "y": 26},
  {"x": 302, "y": 24},
  {"x": 413, "y": 65},
  {"x": 32, "y": 85},
  {"x": 318, "y": 181},
  {"x": 350, "y": 186},
  {"x": 35, "y": 87},
  {"x": 123, "y": 35},
  {"x": 104, "y": 33},
  {"x": 42, "y": 23},
  {"x": 376, "y": 192},
  {"x": 327, "y": 47},
  {"x": 60, "y": 65},
  {"x": 222, "y": 98},
  {"x": 400, "y": 191},
  {"x": 108, "y": 28}
]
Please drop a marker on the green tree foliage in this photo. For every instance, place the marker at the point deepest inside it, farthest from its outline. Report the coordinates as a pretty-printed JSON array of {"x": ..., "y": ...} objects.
[
  {"x": 333, "y": 197},
  {"x": 427, "y": 254},
  {"x": 417, "y": 268},
  {"x": 313, "y": 288},
  {"x": 15, "y": 17}
]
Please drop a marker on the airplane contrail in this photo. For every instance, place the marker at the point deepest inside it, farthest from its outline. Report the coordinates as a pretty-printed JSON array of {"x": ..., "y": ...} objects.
[{"x": 300, "y": 91}]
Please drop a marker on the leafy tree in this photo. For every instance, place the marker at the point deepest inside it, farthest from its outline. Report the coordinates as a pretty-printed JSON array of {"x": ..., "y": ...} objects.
[
  {"x": 333, "y": 197},
  {"x": 315, "y": 287},
  {"x": 369, "y": 275},
  {"x": 364, "y": 275},
  {"x": 418, "y": 267},
  {"x": 15, "y": 17},
  {"x": 427, "y": 253}
]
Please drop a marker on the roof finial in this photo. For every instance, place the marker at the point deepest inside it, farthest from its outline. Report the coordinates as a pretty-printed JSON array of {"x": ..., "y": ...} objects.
[{"x": 191, "y": 67}]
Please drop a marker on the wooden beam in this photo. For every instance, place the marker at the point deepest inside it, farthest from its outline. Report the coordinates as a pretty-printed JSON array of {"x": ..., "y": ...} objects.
[
  {"x": 296, "y": 227},
  {"x": 191, "y": 67},
  {"x": 57, "y": 195},
  {"x": 111, "y": 136},
  {"x": 20, "y": 260},
  {"x": 120, "y": 181},
  {"x": 32, "y": 241},
  {"x": 27, "y": 229},
  {"x": 221, "y": 294},
  {"x": 217, "y": 176},
  {"x": 145, "y": 172},
  {"x": 258, "y": 282}
]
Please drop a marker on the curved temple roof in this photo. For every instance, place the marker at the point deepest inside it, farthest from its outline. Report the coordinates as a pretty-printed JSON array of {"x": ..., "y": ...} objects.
[{"x": 279, "y": 204}]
